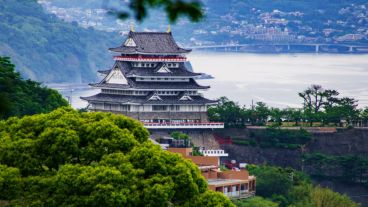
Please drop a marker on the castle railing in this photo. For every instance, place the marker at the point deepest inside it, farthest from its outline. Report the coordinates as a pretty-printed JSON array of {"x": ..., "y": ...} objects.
[
  {"x": 169, "y": 125},
  {"x": 151, "y": 59}
]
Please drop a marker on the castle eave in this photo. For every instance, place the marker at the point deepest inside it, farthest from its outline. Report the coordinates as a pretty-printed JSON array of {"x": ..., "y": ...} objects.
[{"x": 165, "y": 100}]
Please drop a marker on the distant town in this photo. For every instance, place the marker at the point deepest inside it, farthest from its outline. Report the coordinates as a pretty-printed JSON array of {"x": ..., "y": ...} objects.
[{"x": 349, "y": 25}]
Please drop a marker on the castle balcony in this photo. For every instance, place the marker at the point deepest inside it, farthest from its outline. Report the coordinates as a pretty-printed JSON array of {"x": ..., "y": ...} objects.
[
  {"x": 150, "y": 59},
  {"x": 169, "y": 125}
]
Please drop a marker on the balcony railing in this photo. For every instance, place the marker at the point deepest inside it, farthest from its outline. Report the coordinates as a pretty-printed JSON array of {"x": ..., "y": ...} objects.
[
  {"x": 151, "y": 59},
  {"x": 205, "y": 125},
  {"x": 241, "y": 194}
]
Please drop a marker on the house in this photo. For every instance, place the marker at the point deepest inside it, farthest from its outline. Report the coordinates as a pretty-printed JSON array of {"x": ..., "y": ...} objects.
[{"x": 233, "y": 183}]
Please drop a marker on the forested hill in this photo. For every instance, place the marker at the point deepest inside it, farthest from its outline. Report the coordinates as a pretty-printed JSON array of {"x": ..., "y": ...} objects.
[{"x": 47, "y": 49}]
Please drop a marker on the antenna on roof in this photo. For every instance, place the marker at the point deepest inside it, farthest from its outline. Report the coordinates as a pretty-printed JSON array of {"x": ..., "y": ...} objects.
[
  {"x": 132, "y": 27},
  {"x": 169, "y": 28}
]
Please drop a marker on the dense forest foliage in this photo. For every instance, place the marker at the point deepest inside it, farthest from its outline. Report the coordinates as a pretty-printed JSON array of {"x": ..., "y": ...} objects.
[
  {"x": 287, "y": 187},
  {"x": 350, "y": 168},
  {"x": 20, "y": 97},
  {"x": 49, "y": 50},
  {"x": 71, "y": 158}
]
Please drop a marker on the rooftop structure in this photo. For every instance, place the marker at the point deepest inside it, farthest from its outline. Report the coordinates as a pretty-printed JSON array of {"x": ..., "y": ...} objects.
[
  {"x": 233, "y": 183},
  {"x": 150, "y": 82},
  {"x": 213, "y": 152}
]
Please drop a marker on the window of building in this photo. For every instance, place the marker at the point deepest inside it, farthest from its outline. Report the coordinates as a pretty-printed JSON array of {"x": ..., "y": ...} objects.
[
  {"x": 107, "y": 106},
  {"x": 159, "y": 108},
  {"x": 174, "y": 108},
  {"x": 125, "y": 107},
  {"x": 114, "y": 107}
]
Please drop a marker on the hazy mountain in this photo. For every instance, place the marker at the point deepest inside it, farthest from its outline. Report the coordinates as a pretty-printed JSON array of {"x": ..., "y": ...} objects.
[{"x": 47, "y": 49}]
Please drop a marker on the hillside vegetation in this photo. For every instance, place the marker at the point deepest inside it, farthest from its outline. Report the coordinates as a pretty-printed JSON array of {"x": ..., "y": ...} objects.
[
  {"x": 49, "y": 50},
  {"x": 68, "y": 158},
  {"x": 20, "y": 97}
]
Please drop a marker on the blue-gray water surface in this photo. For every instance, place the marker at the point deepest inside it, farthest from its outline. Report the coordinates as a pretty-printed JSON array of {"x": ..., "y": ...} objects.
[{"x": 274, "y": 79}]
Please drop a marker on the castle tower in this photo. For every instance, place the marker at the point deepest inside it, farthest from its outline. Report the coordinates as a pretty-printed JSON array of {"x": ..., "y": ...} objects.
[{"x": 150, "y": 82}]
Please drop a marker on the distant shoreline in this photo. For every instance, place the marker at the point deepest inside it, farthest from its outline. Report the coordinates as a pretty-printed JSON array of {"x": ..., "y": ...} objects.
[
  {"x": 284, "y": 52},
  {"x": 287, "y": 48}
]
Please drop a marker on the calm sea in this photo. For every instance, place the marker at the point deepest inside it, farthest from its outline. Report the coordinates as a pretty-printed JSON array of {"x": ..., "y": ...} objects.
[{"x": 274, "y": 79}]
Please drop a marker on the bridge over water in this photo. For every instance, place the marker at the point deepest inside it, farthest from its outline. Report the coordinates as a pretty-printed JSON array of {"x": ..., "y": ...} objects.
[{"x": 307, "y": 47}]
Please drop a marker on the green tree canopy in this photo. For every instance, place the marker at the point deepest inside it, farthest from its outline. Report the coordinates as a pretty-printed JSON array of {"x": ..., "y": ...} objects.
[
  {"x": 271, "y": 180},
  {"x": 179, "y": 135},
  {"x": 228, "y": 112},
  {"x": 256, "y": 201},
  {"x": 288, "y": 187},
  {"x": 69, "y": 158},
  {"x": 20, "y": 97},
  {"x": 173, "y": 8},
  {"x": 324, "y": 197}
]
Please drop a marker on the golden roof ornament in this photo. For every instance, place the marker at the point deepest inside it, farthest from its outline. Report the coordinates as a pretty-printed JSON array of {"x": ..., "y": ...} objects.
[
  {"x": 169, "y": 29},
  {"x": 132, "y": 27}
]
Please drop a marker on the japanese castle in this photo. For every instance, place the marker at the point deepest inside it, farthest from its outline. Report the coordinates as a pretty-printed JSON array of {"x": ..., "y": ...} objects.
[{"x": 150, "y": 82}]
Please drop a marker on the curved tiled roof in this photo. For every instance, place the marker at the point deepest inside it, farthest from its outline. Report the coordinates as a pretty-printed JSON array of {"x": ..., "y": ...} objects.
[
  {"x": 151, "y": 43},
  {"x": 129, "y": 71},
  {"x": 105, "y": 72},
  {"x": 165, "y": 100},
  {"x": 192, "y": 84}
]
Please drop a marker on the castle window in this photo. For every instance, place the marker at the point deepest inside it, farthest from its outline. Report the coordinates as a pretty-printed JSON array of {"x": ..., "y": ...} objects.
[
  {"x": 107, "y": 106},
  {"x": 175, "y": 108},
  {"x": 159, "y": 108},
  {"x": 124, "y": 107}
]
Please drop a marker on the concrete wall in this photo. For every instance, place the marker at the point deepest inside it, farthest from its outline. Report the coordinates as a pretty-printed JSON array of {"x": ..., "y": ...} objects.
[
  {"x": 204, "y": 161},
  {"x": 183, "y": 151},
  {"x": 240, "y": 175}
]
